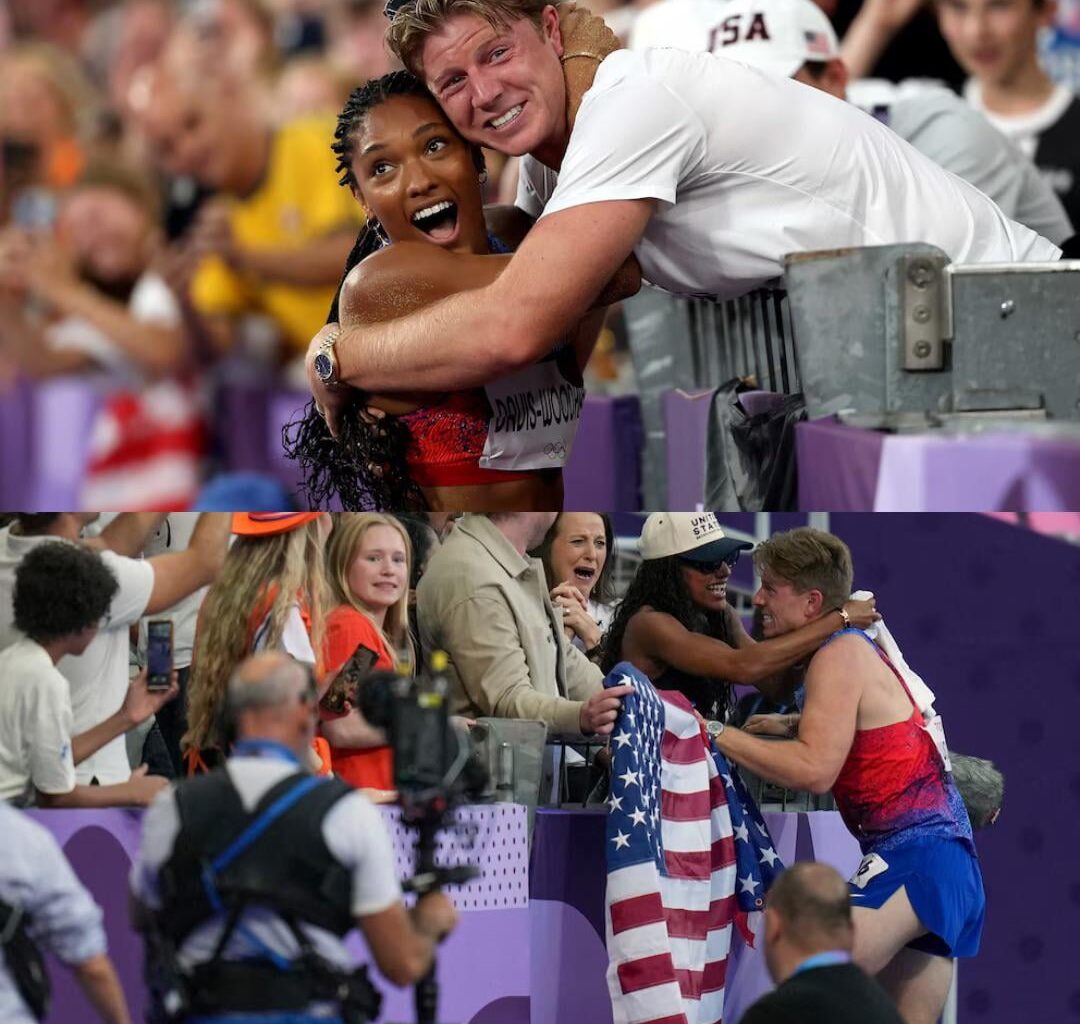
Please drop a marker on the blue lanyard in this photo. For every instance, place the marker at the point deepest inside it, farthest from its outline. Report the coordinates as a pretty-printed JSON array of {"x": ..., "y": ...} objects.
[
  {"x": 829, "y": 959},
  {"x": 265, "y": 748}
]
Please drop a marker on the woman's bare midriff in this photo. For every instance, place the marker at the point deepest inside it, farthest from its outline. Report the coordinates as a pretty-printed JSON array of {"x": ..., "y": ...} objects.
[{"x": 542, "y": 492}]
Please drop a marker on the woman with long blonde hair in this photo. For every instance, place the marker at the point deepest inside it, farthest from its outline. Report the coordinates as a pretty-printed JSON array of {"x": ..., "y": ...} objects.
[
  {"x": 368, "y": 562},
  {"x": 271, "y": 595}
]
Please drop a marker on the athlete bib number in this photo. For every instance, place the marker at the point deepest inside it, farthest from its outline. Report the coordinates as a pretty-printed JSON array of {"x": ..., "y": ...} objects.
[
  {"x": 534, "y": 419},
  {"x": 872, "y": 865}
]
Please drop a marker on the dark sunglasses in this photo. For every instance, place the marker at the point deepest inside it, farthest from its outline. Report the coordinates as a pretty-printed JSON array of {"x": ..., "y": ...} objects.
[{"x": 709, "y": 567}]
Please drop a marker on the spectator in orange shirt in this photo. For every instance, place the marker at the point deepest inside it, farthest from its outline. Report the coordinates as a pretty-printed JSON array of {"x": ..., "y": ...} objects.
[{"x": 368, "y": 563}]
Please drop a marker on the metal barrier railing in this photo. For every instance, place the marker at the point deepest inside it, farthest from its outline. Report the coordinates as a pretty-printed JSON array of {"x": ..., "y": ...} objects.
[{"x": 751, "y": 336}]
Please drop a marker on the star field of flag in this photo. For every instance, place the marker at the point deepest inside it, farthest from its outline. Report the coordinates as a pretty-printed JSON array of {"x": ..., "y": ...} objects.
[{"x": 688, "y": 853}]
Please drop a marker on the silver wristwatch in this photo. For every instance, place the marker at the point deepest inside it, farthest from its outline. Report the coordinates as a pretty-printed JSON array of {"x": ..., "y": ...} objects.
[
  {"x": 326, "y": 364},
  {"x": 714, "y": 728}
]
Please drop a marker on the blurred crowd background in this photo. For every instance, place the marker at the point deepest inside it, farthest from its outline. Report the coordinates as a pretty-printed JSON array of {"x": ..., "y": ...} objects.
[{"x": 172, "y": 230}]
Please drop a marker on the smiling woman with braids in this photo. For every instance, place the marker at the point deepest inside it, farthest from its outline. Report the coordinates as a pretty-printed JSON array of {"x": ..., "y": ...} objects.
[{"x": 484, "y": 449}]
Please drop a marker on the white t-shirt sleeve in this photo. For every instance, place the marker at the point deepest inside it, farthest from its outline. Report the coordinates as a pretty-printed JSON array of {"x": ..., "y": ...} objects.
[
  {"x": 136, "y": 579},
  {"x": 295, "y": 640},
  {"x": 153, "y": 302},
  {"x": 52, "y": 765},
  {"x": 356, "y": 835},
  {"x": 65, "y": 918},
  {"x": 633, "y": 139}
]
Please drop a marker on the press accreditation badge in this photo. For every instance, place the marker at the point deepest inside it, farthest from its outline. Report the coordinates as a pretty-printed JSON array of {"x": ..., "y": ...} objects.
[{"x": 534, "y": 418}]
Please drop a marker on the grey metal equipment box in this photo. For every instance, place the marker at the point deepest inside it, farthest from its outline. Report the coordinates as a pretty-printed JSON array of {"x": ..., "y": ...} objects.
[{"x": 897, "y": 337}]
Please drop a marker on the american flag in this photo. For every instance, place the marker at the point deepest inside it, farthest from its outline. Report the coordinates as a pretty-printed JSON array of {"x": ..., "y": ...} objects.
[
  {"x": 818, "y": 44},
  {"x": 687, "y": 854}
]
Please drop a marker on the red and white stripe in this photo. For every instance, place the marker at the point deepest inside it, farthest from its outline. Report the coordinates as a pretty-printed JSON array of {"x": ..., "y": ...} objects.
[{"x": 669, "y": 937}]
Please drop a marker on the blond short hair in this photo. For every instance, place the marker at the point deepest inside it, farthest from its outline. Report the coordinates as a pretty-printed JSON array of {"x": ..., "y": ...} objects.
[
  {"x": 809, "y": 559},
  {"x": 413, "y": 23}
]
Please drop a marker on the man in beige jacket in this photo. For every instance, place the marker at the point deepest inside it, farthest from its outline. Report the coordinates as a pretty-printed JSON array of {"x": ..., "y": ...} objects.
[{"x": 486, "y": 603}]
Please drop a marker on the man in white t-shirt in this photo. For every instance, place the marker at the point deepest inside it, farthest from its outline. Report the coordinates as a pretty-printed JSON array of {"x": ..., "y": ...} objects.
[
  {"x": 62, "y": 592},
  {"x": 99, "y": 676},
  {"x": 348, "y": 880},
  {"x": 997, "y": 43},
  {"x": 709, "y": 172},
  {"x": 794, "y": 39}
]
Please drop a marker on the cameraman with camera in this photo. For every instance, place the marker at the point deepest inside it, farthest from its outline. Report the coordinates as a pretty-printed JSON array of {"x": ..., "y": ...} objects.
[{"x": 249, "y": 877}]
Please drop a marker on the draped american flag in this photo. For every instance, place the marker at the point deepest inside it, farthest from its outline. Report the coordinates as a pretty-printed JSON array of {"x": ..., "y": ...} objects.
[{"x": 687, "y": 854}]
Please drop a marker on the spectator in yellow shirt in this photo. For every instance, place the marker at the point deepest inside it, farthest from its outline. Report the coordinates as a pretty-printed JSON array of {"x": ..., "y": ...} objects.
[{"x": 275, "y": 238}]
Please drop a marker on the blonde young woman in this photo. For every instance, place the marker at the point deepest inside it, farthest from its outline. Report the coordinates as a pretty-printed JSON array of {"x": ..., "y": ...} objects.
[
  {"x": 271, "y": 595},
  {"x": 369, "y": 561}
]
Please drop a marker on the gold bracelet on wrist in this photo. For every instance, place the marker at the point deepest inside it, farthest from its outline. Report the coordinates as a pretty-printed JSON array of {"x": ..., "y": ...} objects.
[{"x": 582, "y": 53}]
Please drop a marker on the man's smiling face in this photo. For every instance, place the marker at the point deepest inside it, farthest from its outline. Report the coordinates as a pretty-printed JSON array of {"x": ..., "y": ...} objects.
[{"x": 501, "y": 85}]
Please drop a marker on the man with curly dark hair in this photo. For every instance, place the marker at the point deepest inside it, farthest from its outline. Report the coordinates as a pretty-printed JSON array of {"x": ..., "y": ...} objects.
[{"x": 62, "y": 594}]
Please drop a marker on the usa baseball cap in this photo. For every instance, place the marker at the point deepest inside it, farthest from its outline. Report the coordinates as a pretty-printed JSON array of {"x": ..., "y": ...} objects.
[
  {"x": 776, "y": 35},
  {"x": 695, "y": 536}
]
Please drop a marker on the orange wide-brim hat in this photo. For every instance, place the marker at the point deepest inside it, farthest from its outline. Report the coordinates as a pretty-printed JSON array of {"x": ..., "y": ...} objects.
[{"x": 265, "y": 524}]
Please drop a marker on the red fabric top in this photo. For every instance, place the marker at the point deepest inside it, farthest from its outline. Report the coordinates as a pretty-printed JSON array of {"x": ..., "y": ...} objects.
[
  {"x": 347, "y": 629},
  {"x": 448, "y": 439}
]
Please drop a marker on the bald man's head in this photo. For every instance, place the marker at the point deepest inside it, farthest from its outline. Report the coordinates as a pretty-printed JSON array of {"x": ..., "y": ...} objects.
[
  {"x": 808, "y": 911},
  {"x": 273, "y": 696}
]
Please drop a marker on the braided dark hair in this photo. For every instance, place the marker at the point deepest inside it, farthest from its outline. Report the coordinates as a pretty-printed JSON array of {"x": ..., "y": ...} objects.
[
  {"x": 362, "y": 99},
  {"x": 365, "y": 467},
  {"x": 659, "y": 584}
]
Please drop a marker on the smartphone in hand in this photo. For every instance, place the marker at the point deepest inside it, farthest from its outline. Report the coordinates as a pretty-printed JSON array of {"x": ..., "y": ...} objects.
[
  {"x": 159, "y": 654},
  {"x": 346, "y": 683}
]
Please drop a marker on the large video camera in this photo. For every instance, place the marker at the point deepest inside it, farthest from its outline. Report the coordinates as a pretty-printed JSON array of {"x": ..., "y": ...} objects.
[{"x": 434, "y": 770}]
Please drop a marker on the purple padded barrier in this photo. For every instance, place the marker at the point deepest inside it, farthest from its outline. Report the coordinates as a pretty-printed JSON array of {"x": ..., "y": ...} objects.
[
  {"x": 15, "y": 451},
  {"x": 493, "y": 930},
  {"x": 838, "y": 465},
  {"x": 604, "y": 471},
  {"x": 686, "y": 426},
  {"x": 845, "y": 468},
  {"x": 62, "y": 416},
  {"x": 285, "y": 406},
  {"x": 1008, "y": 472},
  {"x": 243, "y": 419}
]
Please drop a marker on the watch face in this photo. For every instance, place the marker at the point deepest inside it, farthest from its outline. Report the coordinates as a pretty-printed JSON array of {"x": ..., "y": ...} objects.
[{"x": 324, "y": 366}]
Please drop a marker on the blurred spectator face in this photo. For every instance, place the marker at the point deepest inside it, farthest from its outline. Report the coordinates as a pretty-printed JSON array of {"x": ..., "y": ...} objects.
[
  {"x": 144, "y": 31},
  {"x": 579, "y": 550},
  {"x": 308, "y": 87},
  {"x": 31, "y": 108},
  {"x": 408, "y": 159},
  {"x": 993, "y": 40},
  {"x": 357, "y": 37},
  {"x": 379, "y": 573},
  {"x": 191, "y": 133},
  {"x": 110, "y": 235}
]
